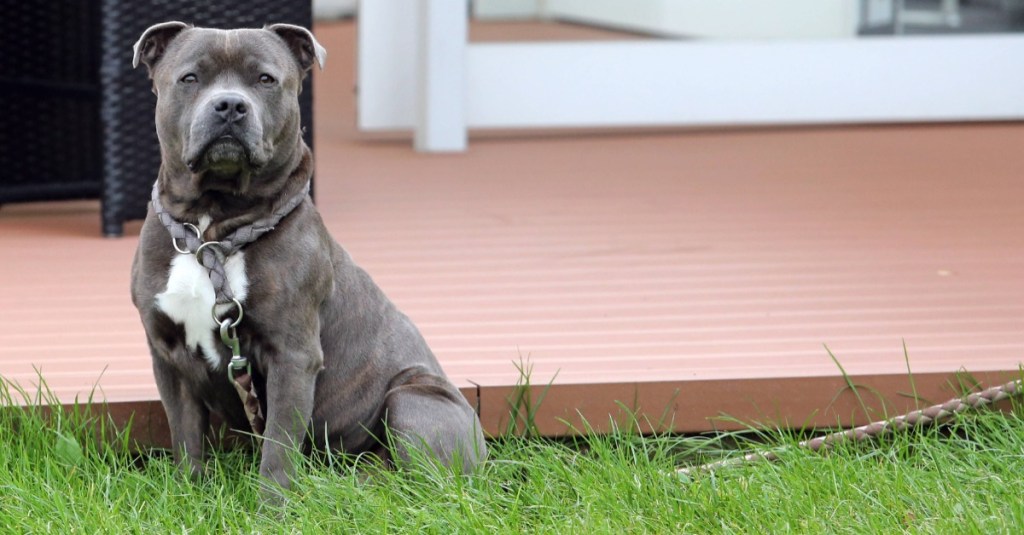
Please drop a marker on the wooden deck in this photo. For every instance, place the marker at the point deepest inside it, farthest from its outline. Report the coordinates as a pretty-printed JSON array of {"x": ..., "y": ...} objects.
[{"x": 685, "y": 275}]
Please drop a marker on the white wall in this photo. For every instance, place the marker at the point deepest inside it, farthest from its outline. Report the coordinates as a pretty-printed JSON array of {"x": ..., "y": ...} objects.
[
  {"x": 334, "y": 9},
  {"x": 740, "y": 19},
  {"x": 878, "y": 12},
  {"x": 506, "y": 9},
  {"x": 667, "y": 82}
]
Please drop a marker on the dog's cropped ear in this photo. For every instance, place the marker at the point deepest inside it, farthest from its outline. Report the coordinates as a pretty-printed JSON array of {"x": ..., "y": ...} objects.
[
  {"x": 151, "y": 46},
  {"x": 303, "y": 45}
]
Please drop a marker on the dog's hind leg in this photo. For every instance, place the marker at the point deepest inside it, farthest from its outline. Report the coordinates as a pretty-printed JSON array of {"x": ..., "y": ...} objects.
[{"x": 427, "y": 416}]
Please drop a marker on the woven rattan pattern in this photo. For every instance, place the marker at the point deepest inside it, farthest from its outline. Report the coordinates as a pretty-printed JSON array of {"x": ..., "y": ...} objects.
[{"x": 49, "y": 89}]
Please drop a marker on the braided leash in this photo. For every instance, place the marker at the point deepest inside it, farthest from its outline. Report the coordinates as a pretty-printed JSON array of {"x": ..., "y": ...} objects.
[
  {"x": 212, "y": 255},
  {"x": 227, "y": 246},
  {"x": 935, "y": 414}
]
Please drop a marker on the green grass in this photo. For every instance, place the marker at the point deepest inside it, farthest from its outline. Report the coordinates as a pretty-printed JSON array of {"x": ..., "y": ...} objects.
[{"x": 963, "y": 478}]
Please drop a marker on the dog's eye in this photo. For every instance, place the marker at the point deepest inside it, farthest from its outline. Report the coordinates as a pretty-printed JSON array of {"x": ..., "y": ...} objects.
[
  {"x": 266, "y": 79},
  {"x": 189, "y": 79}
]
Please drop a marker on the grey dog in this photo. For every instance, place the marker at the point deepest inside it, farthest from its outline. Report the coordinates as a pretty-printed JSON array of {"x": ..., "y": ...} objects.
[{"x": 334, "y": 363}]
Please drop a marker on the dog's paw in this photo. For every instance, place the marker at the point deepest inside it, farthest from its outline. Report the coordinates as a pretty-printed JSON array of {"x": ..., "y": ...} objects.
[{"x": 272, "y": 495}]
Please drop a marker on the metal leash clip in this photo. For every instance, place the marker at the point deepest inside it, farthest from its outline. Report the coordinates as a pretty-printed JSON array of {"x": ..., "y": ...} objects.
[{"x": 229, "y": 335}]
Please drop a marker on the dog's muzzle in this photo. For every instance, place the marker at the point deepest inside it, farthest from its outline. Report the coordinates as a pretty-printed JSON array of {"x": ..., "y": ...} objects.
[{"x": 223, "y": 135}]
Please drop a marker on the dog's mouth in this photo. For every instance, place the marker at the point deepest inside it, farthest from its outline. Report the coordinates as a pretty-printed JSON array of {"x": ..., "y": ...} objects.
[
  {"x": 222, "y": 155},
  {"x": 224, "y": 164}
]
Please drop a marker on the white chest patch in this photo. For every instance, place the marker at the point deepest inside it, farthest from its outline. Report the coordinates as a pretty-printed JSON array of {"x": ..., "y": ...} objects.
[{"x": 189, "y": 298}]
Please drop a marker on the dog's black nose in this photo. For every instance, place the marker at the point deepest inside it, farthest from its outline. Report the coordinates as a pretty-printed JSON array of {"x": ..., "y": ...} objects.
[{"x": 230, "y": 107}]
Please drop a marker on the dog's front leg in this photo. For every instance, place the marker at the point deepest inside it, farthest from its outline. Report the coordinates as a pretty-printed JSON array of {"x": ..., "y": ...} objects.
[
  {"x": 187, "y": 417},
  {"x": 291, "y": 381}
]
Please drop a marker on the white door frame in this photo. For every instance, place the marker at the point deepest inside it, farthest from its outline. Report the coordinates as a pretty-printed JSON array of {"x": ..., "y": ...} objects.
[{"x": 418, "y": 72}]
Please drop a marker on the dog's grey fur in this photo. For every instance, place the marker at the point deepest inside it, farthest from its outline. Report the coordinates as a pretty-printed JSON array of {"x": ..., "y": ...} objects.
[{"x": 335, "y": 363}]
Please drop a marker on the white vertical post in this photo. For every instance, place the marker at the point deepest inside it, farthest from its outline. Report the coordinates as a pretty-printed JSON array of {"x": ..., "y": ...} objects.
[
  {"x": 386, "y": 94},
  {"x": 441, "y": 76}
]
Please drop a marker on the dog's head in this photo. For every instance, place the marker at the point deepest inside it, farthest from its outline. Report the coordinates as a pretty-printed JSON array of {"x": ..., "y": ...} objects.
[{"x": 227, "y": 100}]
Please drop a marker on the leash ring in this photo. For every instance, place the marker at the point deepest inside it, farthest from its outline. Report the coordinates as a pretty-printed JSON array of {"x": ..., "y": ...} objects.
[
  {"x": 217, "y": 244},
  {"x": 237, "y": 304},
  {"x": 193, "y": 228}
]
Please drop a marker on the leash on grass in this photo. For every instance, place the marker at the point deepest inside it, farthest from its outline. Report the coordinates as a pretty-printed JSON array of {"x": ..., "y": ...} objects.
[{"x": 936, "y": 414}]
